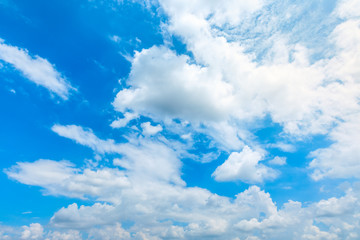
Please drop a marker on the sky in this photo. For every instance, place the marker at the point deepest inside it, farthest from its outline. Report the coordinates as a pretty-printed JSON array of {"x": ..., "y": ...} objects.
[{"x": 180, "y": 119}]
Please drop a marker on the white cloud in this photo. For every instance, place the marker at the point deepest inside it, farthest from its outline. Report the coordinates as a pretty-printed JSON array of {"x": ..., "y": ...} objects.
[
  {"x": 143, "y": 160},
  {"x": 251, "y": 238},
  {"x": 115, "y": 38},
  {"x": 252, "y": 210},
  {"x": 219, "y": 13},
  {"x": 244, "y": 166},
  {"x": 122, "y": 122},
  {"x": 86, "y": 137},
  {"x": 84, "y": 216},
  {"x": 344, "y": 66},
  {"x": 348, "y": 8},
  {"x": 226, "y": 135},
  {"x": 285, "y": 147},
  {"x": 164, "y": 83},
  {"x": 226, "y": 90},
  {"x": 289, "y": 216},
  {"x": 196, "y": 207},
  {"x": 37, "y": 231},
  {"x": 36, "y": 69},
  {"x": 34, "y": 231},
  {"x": 203, "y": 214},
  {"x": 153, "y": 161},
  {"x": 148, "y": 129},
  {"x": 51, "y": 172},
  {"x": 340, "y": 159},
  {"x": 109, "y": 233},
  {"x": 216, "y": 88},
  {"x": 68, "y": 235},
  {"x": 278, "y": 161},
  {"x": 314, "y": 233},
  {"x": 334, "y": 207},
  {"x": 6, "y": 232},
  {"x": 61, "y": 178},
  {"x": 141, "y": 157}
]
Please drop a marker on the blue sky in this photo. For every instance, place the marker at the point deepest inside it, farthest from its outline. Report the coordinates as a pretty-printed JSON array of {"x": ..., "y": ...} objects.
[{"x": 179, "y": 119}]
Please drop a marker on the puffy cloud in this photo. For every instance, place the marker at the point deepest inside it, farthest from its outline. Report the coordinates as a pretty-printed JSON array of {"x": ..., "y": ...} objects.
[
  {"x": 203, "y": 214},
  {"x": 225, "y": 88},
  {"x": 36, "y": 69},
  {"x": 67, "y": 235},
  {"x": 164, "y": 83},
  {"x": 336, "y": 206},
  {"x": 37, "y": 231},
  {"x": 148, "y": 129},
  {"x": 122, "y": 122},
  {"x": 83, "y": 217},
  {"x": 244, "y": 166},
  {"x": 199, "y": 209},
  {"x": 194, "y": 206},
  {"x": 348, "y": 8},
  {"x": 114, "y": 232},
  {"x": 346, "y": 37},
  {"x": 291, "y": 215},
  {"x": 226, "y": 135},
  {"x": 215, "y": 88},
  {"x": 143, "y": 160},
  {"x": 278, "y": 161},
  {"x": 152, "y": 161},
  {"x": 61, "y": 178},
  {"x": 340, "y": 159},
  {"x": 34, "y": 231},
  {"x": 314, "y": 233}
]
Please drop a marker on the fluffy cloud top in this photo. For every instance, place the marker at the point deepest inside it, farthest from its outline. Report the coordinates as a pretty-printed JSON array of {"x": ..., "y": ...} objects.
[
  {"x": 34, "y": 231},
  {"x": 148, "y": 129},
  {"x": 223, "y": 85},
  {"x": 164, "y": 83},
  {"x": 244, "y": 166}
]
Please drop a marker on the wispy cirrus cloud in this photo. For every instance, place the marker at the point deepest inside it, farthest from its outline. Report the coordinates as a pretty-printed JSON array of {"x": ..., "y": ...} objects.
[{"x": 37, "y": 69}]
